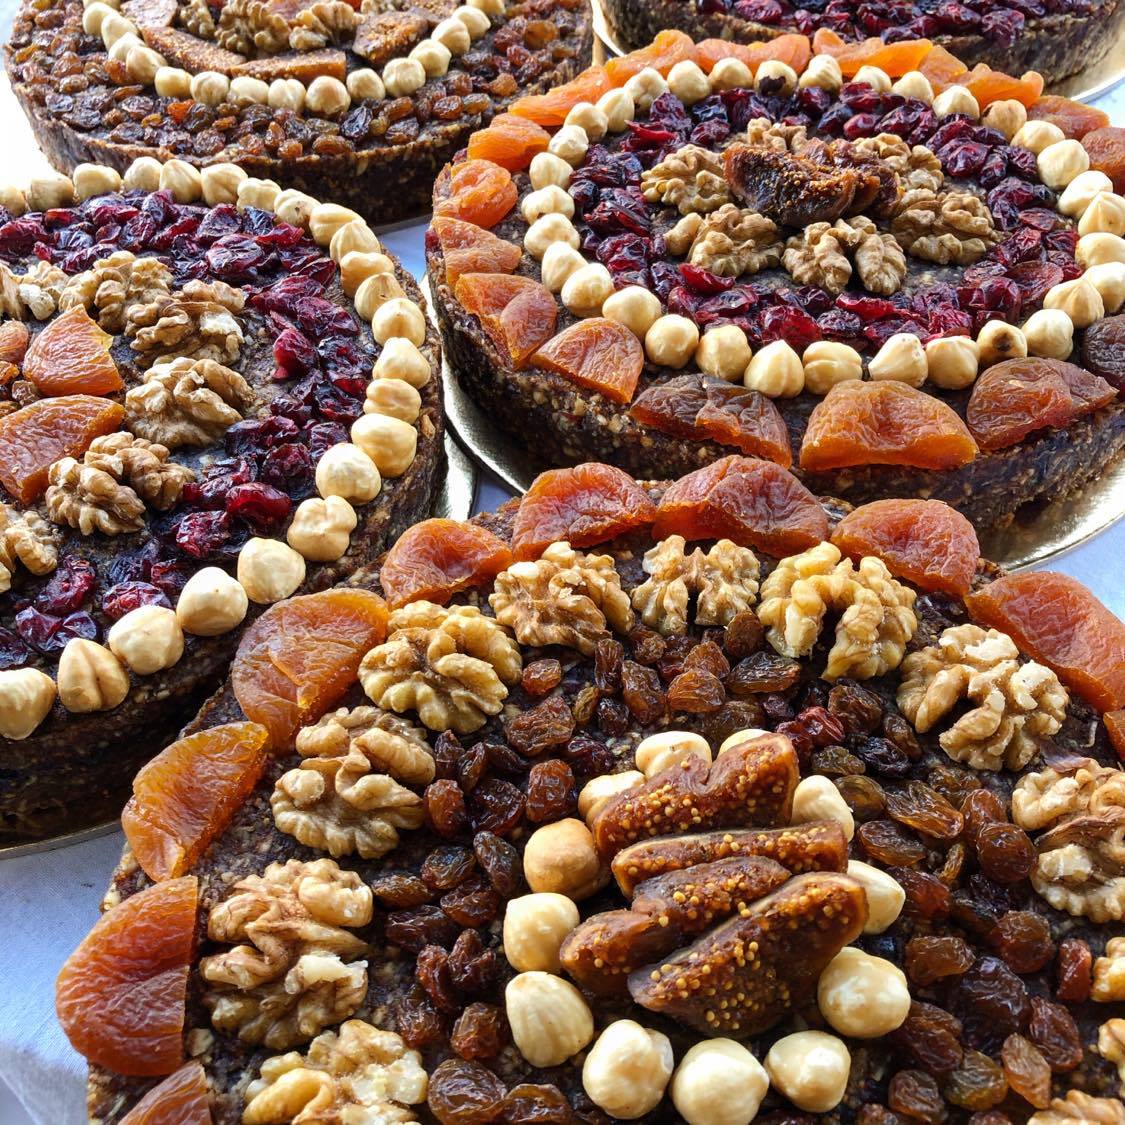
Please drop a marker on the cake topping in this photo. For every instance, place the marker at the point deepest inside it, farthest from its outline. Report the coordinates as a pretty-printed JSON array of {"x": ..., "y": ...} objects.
[
  {"x": 691, "y": 179},
  {"x": 731, "y": 242},
  {"x": 943, "y": 226}
]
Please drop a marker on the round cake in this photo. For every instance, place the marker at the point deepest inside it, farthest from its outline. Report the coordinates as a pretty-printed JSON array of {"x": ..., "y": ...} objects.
[
  {"x": 204, "y": 408},
  {"x": 868, "y": 280},
  {"x": 701, "y": 801},
  {"x": 1057, "y": 38},
  {"x": 358, "y": 104}
]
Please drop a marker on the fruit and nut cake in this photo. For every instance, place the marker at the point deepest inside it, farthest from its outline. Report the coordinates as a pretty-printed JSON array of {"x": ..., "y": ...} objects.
[
  {"x": 1057, "y": 38},
  {"x": 700, "y": 801},
  {"x": 898, "y": 276},
  {"x": 359, "y": 103},
  {"x": 205, "y": 407}
]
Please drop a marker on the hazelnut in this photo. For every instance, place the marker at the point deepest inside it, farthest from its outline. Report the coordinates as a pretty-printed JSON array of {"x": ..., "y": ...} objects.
[
  {"x": 434, "y": 57},
  {"x": 13, "y": 200},
  {"x": 395, "y": 398},
  {"x": 402, "y": 77},
  {"x": 1104, "y": 215},
  {"x": 587, "y": 116},
  {"x": 549, "y": 170},
  {"x": 1049, "y": 333},
  {"x": 390, "y": 442},
  {"x": 210, "y": 87},
  {"x": 560, "y": 262},
  {"x": 327, "y": 96},
  {"x": 1061, "y": 162},
  {"x": 365, "y": 85},
  {"x": 322, "y": 528},
  {"x": 356, "y": 235},
  {"x": 999, "y": 340},
  {"x": 671, "y": 340},
  {"x": 1078, "y": 299},
  {"x": 634, "y": 307},
  {"x": 401, "y": 359},
  {"x": 326, "y": 219},
  {"x": 956, "y": 99},
  {"x": 453, "y": 35},
  {"x": 811, "y": 1069},
  {"x": 287, "y": 93},
  {"x": 599, "y": 791},
  {"x": 489, "y": 7},
  {"x": 147, "y": 639},
  {"x": 94, "y": 179},
  {"x": 247, "y": 90},
  {"x": 747, "y": 734},
  {"x": 115, "y": 26},
  {"x": 345, "y": 470},
  {"x": 585, "y": 291},
  {"x": 549, "y": 200},
  {"x": 26, "y": 698},
  {"x": 688, "y": 82},
  {"x": 1080, "y": 192},
  {"x": 50, "y": 190},
  {"x": 142, "y": 63},
  {"x": 475, "y": 21},
  {"x": 862, "y": 996},
  {"x": 561, "y": 857},
  {"x": 669, "y": 748},
  {"x": 617, "y": 105},
  {"x": 375, "y": 290},
  {"x": 94, "y": 16},
  {"x": 884, "y": 896},
  {"x": 90, "y": 677},
  {"x": 570, "y": 143},
  {"x": 548, "y": 229},
  {"x": 914, "y": 84},
  {"x": 399, "y": 317},
  {"x": 731, "y": 74},
  {"x": 119, "y": 52},
  {"x": 182, "y": 180},
  {"x": 269, "y": 570},
  {"x": 1035, "y": 136},
  {"x": 1006, "y": 116},
  {"x": 550, "y": 1021},
  {"x": 817, "y": 798},
  {"x": 357, "y": 266},
  {"x": 873, "y": 76},
  {"x": 645, "y": 87},
  {"x": 143, "y": 174},
  {"x": 295, "y": 208},
  {"x": 718, "y": 1081},
  {"x": 824, "y": 73},
  {"x": 1109, "y": 280},
  {"x": 627, "y": 1069},
  {"x": 534, "y": 928},
  {"x": 723, "y": 352},
  {"x": 776, "y": 78},
  {"x": 211, "y": 603},
  {"x": 826, "y": 363},
  {"x": 258, "y": 193},
  {"x": 1094, "y": 249},
  {"x": 952, "y": 362},
  {"x": 901, "y": 358},
  {"x": 776, "y": 371},
  {"x": 220, "y": 183}
]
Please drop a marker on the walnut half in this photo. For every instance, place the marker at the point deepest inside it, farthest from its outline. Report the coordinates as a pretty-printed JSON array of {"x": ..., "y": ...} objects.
[
  {"x": 1045, "y": 797},
  {"x": 690, "y": 179},
  {"x": 1081, "y": 866},
  {"x": 27, "y": 538},
  {"x": 197, "y": 321},
  {"x": 819, "y": 256},
  {"x": 947, "y": 227}
]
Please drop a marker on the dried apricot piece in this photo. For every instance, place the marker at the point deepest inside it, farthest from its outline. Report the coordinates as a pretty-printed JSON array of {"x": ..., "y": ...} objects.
[
  {"x": 510, "y": 141},
  {"x": 468, "y": 248},
  {"x": 71, "y": 356},
  {"x": 551, "y": 108},
  {"x": 121, "y": 996},
  {"x": 183, "y": 1098},
  {"x": 477, "y": 191},
  {"x": 588, "y": 504},
  {"x": 301, "y": 655},
  {"x": 988, "y": 86},
  {"x": 668, "y": 48},
  {"x": 44, "y": 431},
  {"x": 795, "y": 50},
  {"x": 1075, "y": 119},
  {"x": 185, "y": 796},
  {"x": 1057, "y": 621},
  {"x": 13, "y": 341},
  {"x": 884, "y": 423},
  {"x": 755, "y": 503},
  {"x": 597, "y": 353},
  {"x": 941, "y": 68},
  {"x": 1016, "y": 397},
  {"x": 893, "y": 58},
  {"x": 1106, "y": 149},
  {"x": 924, "y": 541},
  {"x": 517, "y": 312},
  {"x": 436, "y": 558},
  {"x": 1115, "y": 728}
]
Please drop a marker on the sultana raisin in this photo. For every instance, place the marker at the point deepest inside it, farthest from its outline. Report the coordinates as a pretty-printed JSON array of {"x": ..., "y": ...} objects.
[
  {"x": 473, "y": 968},
  {"x": 835, "y": 762},
  {"x": 529, "y": 1104},
  {"x": 399, "y": 889},
  {"x": 915, "y": 1094},
  {"x": 551, "y": 791},
  {"x": 1023, "y": 940},
  {"x": 1053, "y": 1030},
  {"x": 738, "y": 714},
  {"x": 978, "y": 1083},
  {"x": 445, "y": 808},
  {"x": 707, "y": 657},
  {"x": 883, "y": 757},
  {"x": 926, "y": 811},
  {"x": 901, "y": 733},
  {"x": 696, "y": 691},
  {"x": 480, "y": 1032},
  {"x": 671, "y": 663},
  {"x": 447, "y": 866},
  {"x": 500, "y": 862},
  {"x": 425, "y": 925},
  {"x": 613, "y": 717},
  {"x": 1005, "y": 852},
  {"x": 548, "y": 724},
  {"x": 464, "y": 1093},
  {"x": 1027, "y": 1070},
  {"x": 992, "y": 1003},
  {"x": 647, "y": 645},
  {"x": 471, "y": 767},
  {"x": 743, "y": 635},
  {"x": 858, "y": 709},
  {"x": 890, "y": 844},
  {"x": 609, "y": 656},
  {"x": 931, "y": 958},
  {"x": 927, "y": 897},
  {"x": 447, "y": 753},
  {"x": 953, "y": 865},
  {"x": 431, "y": 970},
  {"x": 418, "y": 1021},
  {"x": 496, "y": 806},
  {"x": 541, "y": 676},
  {"x": 588, "y": 757},
  {"x": 472, "y": 904},
  {"x": 641, "y": 692},
  {"x": 585, "y": 705},
  {"x": 1073, "y": 971},
  {"x": 864, "y": 796},
  {"x": 762, "y": 672},
  {"x": 931, "y": 1037},
  {"x": 981, "y": 808},
  {"x": 503, "y": 759}
]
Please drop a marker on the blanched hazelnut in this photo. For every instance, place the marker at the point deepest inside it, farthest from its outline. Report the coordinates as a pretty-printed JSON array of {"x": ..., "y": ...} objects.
[
  {"x": 1109, "y": 280},
  {"x": 587, "y": 116},
  {"x": 453, "y": 35},
  {"x": 210, "y": 87},
  {"x": 220, "y": 183},
  {"x": 671, "y": 340},
  {"x": 434, "y": 57},
  {"x": 1094, "y": 249},
  {"x": 211, "y": 603},
  {"x": 669, "y": 748},
  {"x": 550, "y": 1021},
  {"x": 775, "y": 77},
  {"x": 115, "y": 26},
  {"x": 731, "y": 74},
  {"x": 549, "y": 200},
  {"x": 724, "y": 353},
  {"x": 688, "y": 82},
  {"x": 327, "y": 96},
  {"x": 345, "y": 470},
  {"x": 401, "y": 359},
  {"x": 1081, "y": 190},
  {"x": 914, "y": 84},
  {"x": 1078, "y": 299},
  {"x": 489, "y": 7},
  {"x": 999, "y": 340},
  {"x": 90, "y": 677},
  {"x": 718, "y": 1081},
  {"x": 399, "y": 317},
  {"x": 561, "y": 857},
  {"x": 147, "y": 639},
  {"x": 402, "y": 77},
  {"x": 547, "y": 230},
  {"x": 560, "y": 263},
  {"x": 90, "y": 180},
  {"x": 547, "y": 169},
  {"x": 570, "y": 143},
  {"x": 585, "y": 291},
  {"x": 901, "y": 358},
  {"x": 617, "y": 105},
  {"x": 634, "y": 307},
  {"x": 956, "y": 99},
  {"x": 475, "y": 21},
  {"x": 885, "y": 897},
  {"x": 94, "y": 15},
  {"x": 811, "y": 1069},
  {"x": 627, "y": 1069},
  {"x": 26, "y": 698},
  {"x": 142, "y": 63},
  {"x": 326, "y": 219},
  {"x": 747, "y": 734},
  {"x": 1061, "y": 162},
  {"x": 356, "y": 235},
  {"x": 143, "y": 174},
  {"x": 875, "y": 77},
  {"x": 375, "y": 291},
  {"x": 1035, "y": 136},
  {"x": 395, "y": 398},
  {"x": 365, "y": 85},
  {"x": 13, "y": 200},
  {"x": 269, "y": 570},
  {"x": 952, "y": 362},
  {"x": 645, "y": 87},
  {"x": 1104, "y": 215},
  {"x": 287, "y": 93},
  {"x": 824, "y": 73},
  {"x": 258, "y": 193},
  {"x": 827, "y": 363},
  {"x": 534, "y": 928},
  {"x": 119, "y": 52},
  {"x": 321, "y": 529},
  {"x": 861, "y": 995},
  {"x": 184, "y": 181},
  {"x": 50, "y": 190},
  {"x": 1049, "y": 333},
  {"x": 1006, "y": 116},
  {"x": 357, "y": 266},
  {"x": 389, "y": 442},
  {"x": 817, "y": 798},
  {"x": 247, "y": 90},
  {"x": 776, "y": 371},
  {"x": 599, "y": 791}
]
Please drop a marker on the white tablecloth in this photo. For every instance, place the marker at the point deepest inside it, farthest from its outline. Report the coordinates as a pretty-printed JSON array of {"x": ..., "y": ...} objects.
[{"x": 50, "y": 900}]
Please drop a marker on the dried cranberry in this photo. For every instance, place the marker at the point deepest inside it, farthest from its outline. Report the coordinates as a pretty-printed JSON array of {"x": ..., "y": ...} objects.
[{"x": 126, "y": 596}]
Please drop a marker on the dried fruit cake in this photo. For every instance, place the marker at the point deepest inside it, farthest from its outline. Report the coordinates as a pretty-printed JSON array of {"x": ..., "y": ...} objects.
[
  {"x": 360, "y": 103},
  {"x": 203, "y": 410},
  {"x": 701, "y": 801},
  {"x": 899, "y": 287}
]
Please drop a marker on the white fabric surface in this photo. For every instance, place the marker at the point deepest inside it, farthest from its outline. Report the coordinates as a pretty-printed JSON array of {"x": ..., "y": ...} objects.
[{"x": 51, "y": 899}]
